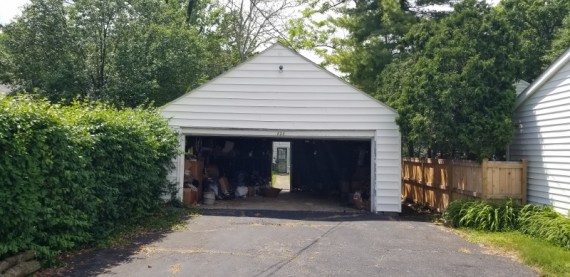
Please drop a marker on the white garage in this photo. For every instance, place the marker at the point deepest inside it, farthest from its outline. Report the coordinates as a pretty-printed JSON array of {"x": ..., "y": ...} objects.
[{"x": 279, "y": 95}]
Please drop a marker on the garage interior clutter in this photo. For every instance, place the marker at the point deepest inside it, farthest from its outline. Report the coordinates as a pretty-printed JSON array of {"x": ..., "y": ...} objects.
[{"x": 226, "y": 168}]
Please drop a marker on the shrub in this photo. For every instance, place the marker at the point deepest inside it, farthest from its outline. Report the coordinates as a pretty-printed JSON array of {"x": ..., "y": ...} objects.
[
  {"x": 69, "y": 175},
  {"x": 482, "y": 215},
  {"x": 45, "y": 184},
  {"x": 545, "y": 223},
  {"x": 129, "y": 151},
  {"x": 537, "y": 221}
]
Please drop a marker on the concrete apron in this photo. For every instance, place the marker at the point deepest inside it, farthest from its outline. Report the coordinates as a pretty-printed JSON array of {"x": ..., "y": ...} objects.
[{"x": 286, "y": 201}]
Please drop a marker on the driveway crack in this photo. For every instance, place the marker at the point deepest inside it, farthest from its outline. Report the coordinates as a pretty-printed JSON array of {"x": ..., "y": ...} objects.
[{"x": 278, "y": 266}]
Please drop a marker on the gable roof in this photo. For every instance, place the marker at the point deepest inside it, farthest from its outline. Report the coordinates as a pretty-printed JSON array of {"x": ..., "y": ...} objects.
[
  {"x": 256, "y": 94},
  {"x": 543, "y": 78}
]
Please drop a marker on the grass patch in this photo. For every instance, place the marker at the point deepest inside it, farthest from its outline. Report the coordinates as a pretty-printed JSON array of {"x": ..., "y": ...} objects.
[
  {"x": 273, "y": 178},
  {"x": 274, "y": 175},
  {"x": 169, "y": 220},
  {"x": 549, "y": 259}
]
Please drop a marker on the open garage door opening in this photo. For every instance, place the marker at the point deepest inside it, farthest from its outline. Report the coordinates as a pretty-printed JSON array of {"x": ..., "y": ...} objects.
[{"x": 277, "y": 174}]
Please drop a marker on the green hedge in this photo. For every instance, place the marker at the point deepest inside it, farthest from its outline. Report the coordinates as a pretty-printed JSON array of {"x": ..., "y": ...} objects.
[
  {"x": 70, "y": 175},
  {"x": 537, "y": 221}
]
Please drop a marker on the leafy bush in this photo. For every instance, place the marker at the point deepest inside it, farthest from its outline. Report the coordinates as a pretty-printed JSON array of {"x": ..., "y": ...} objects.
[
  {"x": 482, "y": 215},
  {"x": 69, "y": 175},
  {"x": 537, "y": 221},
  {"x": 45, "y": 184},
  {"x": 545, "y": 223}
]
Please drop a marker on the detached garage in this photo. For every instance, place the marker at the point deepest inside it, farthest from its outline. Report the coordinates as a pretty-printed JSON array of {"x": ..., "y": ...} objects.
[{"x": 337, "y": 133}]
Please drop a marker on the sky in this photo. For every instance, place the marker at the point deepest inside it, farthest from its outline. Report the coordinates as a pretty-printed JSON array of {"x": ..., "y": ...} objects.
[{"x": 9, "y": 9}]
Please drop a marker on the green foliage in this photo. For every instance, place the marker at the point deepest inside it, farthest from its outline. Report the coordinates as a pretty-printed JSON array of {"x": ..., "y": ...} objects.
[
  {"x": 449, "y": 75},
  {"x": 481, "y": 215},
  {"x": 453, "y": 90},
  {"x": 560, "y": 42},
  {"x": 127, "y": 53},
  {"x": 71, "y": 175},
  {"x": 372, "y": 33},
  {"x": 541, "y": 222},
  {"x": 545, "y": 223},
  {"x": 537, "y": 23}
]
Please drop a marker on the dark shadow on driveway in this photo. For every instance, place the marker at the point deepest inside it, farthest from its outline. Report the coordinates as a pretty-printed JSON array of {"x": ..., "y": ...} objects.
[
  {"x": 97, "y": 261},
  {"x": 94, "y": 262}
]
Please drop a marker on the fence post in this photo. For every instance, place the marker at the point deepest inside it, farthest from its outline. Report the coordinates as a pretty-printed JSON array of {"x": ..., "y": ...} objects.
[
  {"x": 524, "y": 181},
  {"x": 423, "y": 182},
  {"x": 449, "y": 182},
  {"x": 485, "y": 180}
]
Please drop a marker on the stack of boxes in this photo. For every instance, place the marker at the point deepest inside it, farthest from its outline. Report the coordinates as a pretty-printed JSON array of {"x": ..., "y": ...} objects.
[{"x": 193, "y": 175}]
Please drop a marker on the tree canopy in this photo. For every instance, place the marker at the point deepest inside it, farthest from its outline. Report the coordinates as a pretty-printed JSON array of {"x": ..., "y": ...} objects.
[
  {"x": 123, "y": 52},
  {"x": 457, "y": 93},
  {"x": 450, "y": 72},
  {"x": 131, "y": 52}
]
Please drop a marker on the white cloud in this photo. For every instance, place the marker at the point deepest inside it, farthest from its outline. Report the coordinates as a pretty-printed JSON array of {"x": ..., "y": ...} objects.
[{"x": 10, "y": 9}]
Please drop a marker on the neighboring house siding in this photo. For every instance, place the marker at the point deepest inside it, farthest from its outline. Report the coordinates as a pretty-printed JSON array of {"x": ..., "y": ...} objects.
[{"x": 543, "y": 138}]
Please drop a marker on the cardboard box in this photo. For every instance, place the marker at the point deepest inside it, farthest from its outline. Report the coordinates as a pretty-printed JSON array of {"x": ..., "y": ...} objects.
[
  {"x": 224, "y": 185},
  {"x": 194, "y": 169},
  {"x": 189, "y": 197},
  {"x": 250, "y": 191}
]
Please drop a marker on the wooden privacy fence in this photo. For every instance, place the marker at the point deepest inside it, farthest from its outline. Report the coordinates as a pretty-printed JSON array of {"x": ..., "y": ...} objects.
[{"x": 437, "y": 182}]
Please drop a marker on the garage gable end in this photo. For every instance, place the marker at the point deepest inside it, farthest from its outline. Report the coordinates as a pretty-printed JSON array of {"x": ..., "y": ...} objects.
[{"x": 279, "y": 89}]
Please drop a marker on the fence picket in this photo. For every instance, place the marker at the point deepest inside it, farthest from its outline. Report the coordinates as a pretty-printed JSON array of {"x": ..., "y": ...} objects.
[{"x": 436, "y": 182}]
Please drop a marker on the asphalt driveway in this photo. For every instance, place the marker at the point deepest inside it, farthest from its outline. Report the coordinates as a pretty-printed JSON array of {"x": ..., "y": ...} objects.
[{"x": 270, "y": 243}]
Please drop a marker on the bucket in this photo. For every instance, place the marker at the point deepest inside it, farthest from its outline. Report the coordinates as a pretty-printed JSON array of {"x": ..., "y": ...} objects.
[{"x": 209, "y": 198}]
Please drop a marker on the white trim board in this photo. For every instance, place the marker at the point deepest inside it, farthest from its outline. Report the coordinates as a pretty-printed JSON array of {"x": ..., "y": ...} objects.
[{"x": 281, "y": 134}]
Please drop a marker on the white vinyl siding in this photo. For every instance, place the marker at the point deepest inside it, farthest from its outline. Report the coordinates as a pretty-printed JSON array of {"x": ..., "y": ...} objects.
[
  {"x": 257, "y": 95},
  {"x": 388, "y": 189},
  {"x": 543, "y": 138},
  {"x": 302, "y": 100}
]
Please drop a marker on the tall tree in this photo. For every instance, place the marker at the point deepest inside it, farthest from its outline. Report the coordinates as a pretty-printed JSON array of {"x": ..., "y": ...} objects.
[
  {"x": 457, "y": 95},
  {"x": 43, "y": 52},
  {"x": 560, "y": 43},
  {"x": 157, "y": 58},
  {"x": 5, "y": 61},
  {"x": 250, "y": 24},
  {"x": 358, "y": 37},
  {"x": 124, "y": 52},
  {"x": 537, "y": 23}
]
